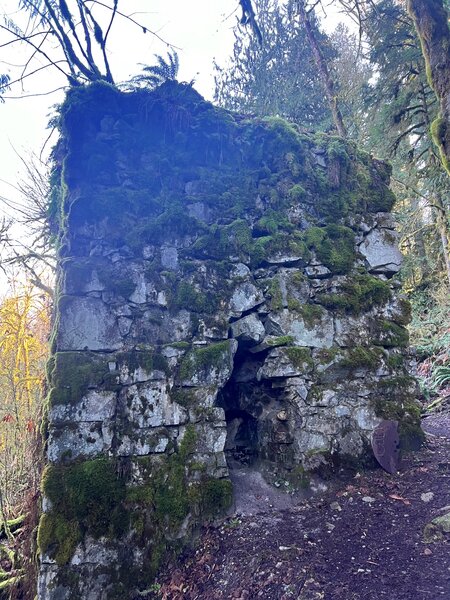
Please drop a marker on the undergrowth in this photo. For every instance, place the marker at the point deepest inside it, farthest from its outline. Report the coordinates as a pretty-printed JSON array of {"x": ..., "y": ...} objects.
[{"x": 430, "y": 336}]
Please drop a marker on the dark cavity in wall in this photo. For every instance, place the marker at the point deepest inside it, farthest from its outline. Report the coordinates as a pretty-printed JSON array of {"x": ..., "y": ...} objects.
[{"x": 255, "y": 433}]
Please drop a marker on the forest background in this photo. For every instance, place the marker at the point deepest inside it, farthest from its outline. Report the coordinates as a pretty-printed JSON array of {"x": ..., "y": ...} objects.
[{"x": 371, "y": 79}]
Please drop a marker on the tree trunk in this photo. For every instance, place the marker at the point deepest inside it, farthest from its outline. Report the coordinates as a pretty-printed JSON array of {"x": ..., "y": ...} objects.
[
  {"x": 431, "y": 22},
  {"x": 441, "y": 223},
  {"x": 324, "y": 73}
]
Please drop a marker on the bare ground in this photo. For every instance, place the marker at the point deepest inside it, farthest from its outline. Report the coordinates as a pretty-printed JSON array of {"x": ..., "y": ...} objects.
[{"x": 359, "y": 539}]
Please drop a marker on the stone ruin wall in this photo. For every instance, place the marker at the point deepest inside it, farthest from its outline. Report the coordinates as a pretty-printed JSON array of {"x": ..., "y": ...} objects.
[{"x": 225, "y": 298}]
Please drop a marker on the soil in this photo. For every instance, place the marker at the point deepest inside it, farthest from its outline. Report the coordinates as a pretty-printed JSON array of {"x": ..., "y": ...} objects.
[{"x": 358, "y": 538}]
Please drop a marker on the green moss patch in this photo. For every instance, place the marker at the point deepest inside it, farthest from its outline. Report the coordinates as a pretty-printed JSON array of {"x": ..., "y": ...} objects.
[
  {"x": 234, "y": 239},
  {"x": 200, "y": 361},
  {"x": 58, "y": 536},
  {"x": 169, "y": 495},
  {"x": 272, "y": 222},
  {"x": 334, "y": 246},
  {"x": 275, "y": 295},
  {"x": 300, "y": 358},
  {"x": 74, "y": 373},
  {"x": 86, "y": 499},
  {"x": 362, "y": 357},
  {"x": 357, "y": 295},
  {"x": 183, "y": 396},
  {"x": 187, "y": 296},
  {"x": 266, "y": 249},
  {"x": 311, "y": 314},
  {"x": 282, "y": 340},
  {"x": 391, "y": 335}
]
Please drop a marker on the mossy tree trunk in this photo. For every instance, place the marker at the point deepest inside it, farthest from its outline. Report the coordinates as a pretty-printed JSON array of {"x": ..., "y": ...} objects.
[
  {"x": 431, "y": 22},
  {"x": 443, "y": 229}
]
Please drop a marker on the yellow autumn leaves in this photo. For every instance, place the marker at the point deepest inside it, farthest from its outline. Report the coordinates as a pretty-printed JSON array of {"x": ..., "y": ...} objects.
[{"x": 24, "y": 328}]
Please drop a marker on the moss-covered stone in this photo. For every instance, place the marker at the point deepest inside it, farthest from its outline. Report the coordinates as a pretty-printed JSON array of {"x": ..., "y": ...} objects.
[
  {"x": 437, "y": 530},
  {"x": 165, "y": 168},
  {"x": 170, "y": 495},
  {"x": 362, "y": 357},
  {"x": 275, "y": 295},
  {"x": 183, "y": 396},
  {"x": 268, "y": 248},
  {"x": 300, "y": 358},
  {"x": 334, "y": 246},
  {"x": 187, "y": 296},
  {"x": 86, "y": 498},
  {"x": 200, "y": 361},
  {"x": 311, "y": 314},
  {"x": 58, "y": 536},
  {"x": 282, "y": 340},
  {"x": 391, "y": 335},
  {"x": 326, "y": 355},
  {"x": 271, "y": 222},
  {"x": 357, "y": 294},
  {"x": 74, "y": 373}
]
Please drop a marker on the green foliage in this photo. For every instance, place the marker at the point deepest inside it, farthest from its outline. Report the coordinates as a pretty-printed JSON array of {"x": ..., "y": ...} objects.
[
  {"x": 402, "y": 118},
  {"x": 441, "y": 376},
  {"x": 430, "y": 317},
  {"x": 154, "y": 75},
  {"x": 297, "y": 192}
]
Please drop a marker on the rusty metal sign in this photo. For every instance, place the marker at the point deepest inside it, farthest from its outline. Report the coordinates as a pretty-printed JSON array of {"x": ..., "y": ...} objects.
[{"x": 386, "y": 445}]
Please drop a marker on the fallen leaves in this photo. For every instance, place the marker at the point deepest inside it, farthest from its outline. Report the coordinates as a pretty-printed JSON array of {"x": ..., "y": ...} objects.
[{"x": 400, "y": 499}]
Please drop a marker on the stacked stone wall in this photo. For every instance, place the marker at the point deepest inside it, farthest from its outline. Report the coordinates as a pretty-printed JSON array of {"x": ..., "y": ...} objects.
[{"x": 226, "y": 296}]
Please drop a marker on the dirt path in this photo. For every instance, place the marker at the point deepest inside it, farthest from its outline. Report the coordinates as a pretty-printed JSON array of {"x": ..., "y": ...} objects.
[{"x": 360, "y": 540}]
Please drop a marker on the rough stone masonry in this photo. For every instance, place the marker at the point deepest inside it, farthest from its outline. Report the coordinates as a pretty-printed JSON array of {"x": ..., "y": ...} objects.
[{"x": 226, "y": 297}]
